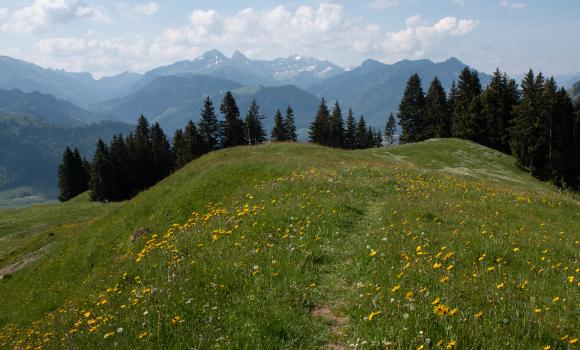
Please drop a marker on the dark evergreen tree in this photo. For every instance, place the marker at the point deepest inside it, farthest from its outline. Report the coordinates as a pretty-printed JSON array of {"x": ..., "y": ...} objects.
[
  {"x": 140, "y": 151},
  {"x": 194, "y": 144},
  {"x": 180, "y": 150},
  {"x": 209, "y": 126},
  {"x": 101, "y": 181},
  {"x": 468, "y": 122},
  {"x": 320, "y": 129},
  {"x": 361, "y": 133},
  {"x": 121, "y": 186},
  {"x": 84, "y": 169},
  {"x": 255, "y": 133},
  {"x": 336, "y": 127},
  {"x": 529, "y": 133},
  {"x": 561, "y": 140},
  {"x": 290, "y": 125},
  {"x": 233, "y": 130},
  {"x": 437, "y": 117},
  {"x": 412, "y": 111},
  {"x": 162, "y": 155},
  {"x": 378, "y": 142},
  {"x": 279, "y": 131},
  {"x": 350, "y": 140},
  {"x": 499, "y": 100},
  {"x": 390, "y": 130},
  {"x": 72, "y": 178}
]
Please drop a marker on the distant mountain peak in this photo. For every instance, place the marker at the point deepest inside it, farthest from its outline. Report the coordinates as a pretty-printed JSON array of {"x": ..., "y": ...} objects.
[
  {"x": 213, "y": 54},
  {"x": 240, "y": 57}
]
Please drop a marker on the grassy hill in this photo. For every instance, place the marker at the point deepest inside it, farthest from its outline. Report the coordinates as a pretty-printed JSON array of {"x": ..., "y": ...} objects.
[{"x": 442, "y": 244}]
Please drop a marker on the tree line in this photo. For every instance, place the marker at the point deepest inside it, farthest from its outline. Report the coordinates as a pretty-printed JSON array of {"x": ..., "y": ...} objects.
[
  {"x": 330, "y": 129},
  {"x": 128, "y": 165},
  {"x": 536, "y": 122}
]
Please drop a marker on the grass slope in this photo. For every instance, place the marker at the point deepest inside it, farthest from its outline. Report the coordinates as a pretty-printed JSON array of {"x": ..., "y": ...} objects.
[{"x": 442, "y": 244}]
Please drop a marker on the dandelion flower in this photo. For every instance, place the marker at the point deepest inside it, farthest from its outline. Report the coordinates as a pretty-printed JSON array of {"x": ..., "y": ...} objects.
[{"x": 478, "y": 315}]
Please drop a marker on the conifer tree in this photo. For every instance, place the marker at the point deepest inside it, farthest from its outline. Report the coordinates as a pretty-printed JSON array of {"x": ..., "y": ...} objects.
[
  {"x": 319, "y": 129},
  {"x": 162, "y": 157},
  {"x": 390, "y": 130},
  {"x": 193, "y": 143},
  {"x": 101, "y": 181},
  {"x": 412, "y": 111},
  {"x": 121, "y": 187},
  {"x": 468, "y": 122},
  {"x": 498, "y": 109},
  {"x": 437, "y": 116},
  {"x": 233, "y": 130},
  {"x": 83, "y": 169},
  {"x": 378, "y": 139},
  {"x": 72, "y": 179},
  {"x": 336, "y": 127},
  {"x": 180, "y": 149},
  {"x": 209, "y": 126},
  {"x": 279, "y": 131},
  {"x": 140, "y": 151},
  {"x": 290, "y": 125},
  {"x": 255, "y": 133},
  {"x": 561, "y": 139},
  {"x": 350, "y": 140},
  {"x": 529, "y": 135},
  {"x": 361, "y": 133}
]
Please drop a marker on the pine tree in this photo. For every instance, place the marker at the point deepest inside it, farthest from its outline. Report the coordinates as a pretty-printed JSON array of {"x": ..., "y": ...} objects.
[
  {"x": 72, "y": 179},
  {"x": 290, "y": 125},
  {"x": 180, "y": 150},
  {"x": 378, "y": 139},
  {"x": 319, "y": 129},
  {"x": 279, "y": 131},
  {"x": 361, "y": 133},
  {"x": 209, "y": 126},
  {"x": 336, "y": 127},
  {"x": 498, "y": 109},
  {"x": 193, "y": 143},
  {"x": 561, "y": 140},
  {"x": 162, "y": 157},
  {"x": 437, "y": 116},
  {"x": 233, "y": 130},
  {"x": 350, "y": 140},
  {"x": 121, "y": 188},
  {"x": 468, "y": 122},
  {"x": 83, "y": 169},
  {"x": 529, "y": 133},
  {"x": 574, "y": 180},
  {"x": 255, "y": 133},
  {"x": 370, "y": 140},
  {"x": 101, "y": 181},
  {"x": 140, "y": 151},
  {"x": 390, "y": 130},
  {"x": 412, "y": 111}
]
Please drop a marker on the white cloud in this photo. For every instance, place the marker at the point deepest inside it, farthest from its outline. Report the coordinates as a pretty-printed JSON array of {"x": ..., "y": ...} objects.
[
  {"x": 384, "y": 4},
  {"x": 42, "y": 14},
  {"x": 4, "y": 13},
  {"x": 513, "y": 5},
  {"x": 417, "y": 40},
  {"x": 137, "y": 11},
  {"x": 459, "y": 2},
  {"x": 324, "y": 31}
]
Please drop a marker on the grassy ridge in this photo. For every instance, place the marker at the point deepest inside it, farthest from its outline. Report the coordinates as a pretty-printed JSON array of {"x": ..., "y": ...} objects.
[{"x": 442, "y": 244}]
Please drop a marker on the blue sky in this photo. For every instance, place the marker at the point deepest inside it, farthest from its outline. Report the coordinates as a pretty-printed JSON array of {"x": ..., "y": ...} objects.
[{"x": 108, "y": 36}]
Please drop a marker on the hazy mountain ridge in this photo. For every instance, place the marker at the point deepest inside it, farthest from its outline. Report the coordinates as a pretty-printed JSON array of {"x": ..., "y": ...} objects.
[
  {"x": 78, "y": 88},
  {"x": 173, "y": 100},
  {"x": 375, "y": 89},
  {"x": 31, "y": 149},
  {"x": 52, "y": 110},
  {"x": 294, "y": 70}
]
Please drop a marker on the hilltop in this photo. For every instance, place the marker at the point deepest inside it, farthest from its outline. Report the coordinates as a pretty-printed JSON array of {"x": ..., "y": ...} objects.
[{"x": 440, "y": 244}]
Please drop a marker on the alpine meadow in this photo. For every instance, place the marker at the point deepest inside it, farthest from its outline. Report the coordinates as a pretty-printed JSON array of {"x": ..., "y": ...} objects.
[{"x": 289, "y": 175}]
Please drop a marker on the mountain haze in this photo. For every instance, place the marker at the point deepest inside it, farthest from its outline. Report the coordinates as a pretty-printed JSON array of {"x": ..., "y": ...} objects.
[{"x": 375, "y": 89}]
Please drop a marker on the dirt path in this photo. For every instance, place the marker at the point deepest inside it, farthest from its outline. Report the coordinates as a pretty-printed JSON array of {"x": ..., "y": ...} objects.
[{"x": 24, "y": 261}]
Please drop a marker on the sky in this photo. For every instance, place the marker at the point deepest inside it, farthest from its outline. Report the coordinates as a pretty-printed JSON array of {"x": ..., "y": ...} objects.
[{"x": 106, "y": 37}]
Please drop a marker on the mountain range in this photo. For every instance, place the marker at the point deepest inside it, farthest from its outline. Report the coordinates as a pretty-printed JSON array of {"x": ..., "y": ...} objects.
[{"x": 173, "y": 94}]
